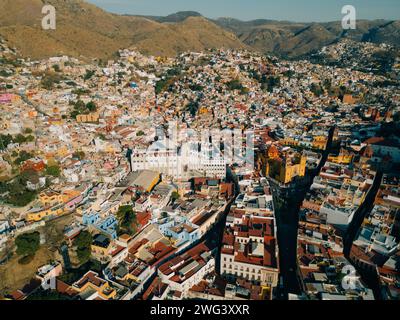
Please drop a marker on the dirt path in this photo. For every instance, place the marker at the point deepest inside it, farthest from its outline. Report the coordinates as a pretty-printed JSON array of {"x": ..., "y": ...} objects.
[{"x": 14, "y": 276}]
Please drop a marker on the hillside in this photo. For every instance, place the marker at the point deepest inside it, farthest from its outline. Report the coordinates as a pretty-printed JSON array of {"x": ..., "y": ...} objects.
[
  {"x": 85, "y": 30},
  {"x": 175, "y": 17},
  {"x": 296, "y": 39}
]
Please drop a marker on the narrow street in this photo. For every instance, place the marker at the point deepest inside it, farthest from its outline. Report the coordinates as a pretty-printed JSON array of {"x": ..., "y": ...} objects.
[
  {"x": 370, "y": 278},
  {"x": 287, "y": 206}
]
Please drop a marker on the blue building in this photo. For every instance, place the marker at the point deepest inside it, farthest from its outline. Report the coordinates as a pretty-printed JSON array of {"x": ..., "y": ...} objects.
[
  {"x": 179, "y": 229},
  {"x": 4, "y": 227},
  {"x": 107, "y": 226}
]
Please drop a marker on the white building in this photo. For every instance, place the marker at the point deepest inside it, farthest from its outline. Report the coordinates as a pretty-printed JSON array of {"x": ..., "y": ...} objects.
[
  {"x": 182, "y": 162},
  {"x": 187, "y": 270}
]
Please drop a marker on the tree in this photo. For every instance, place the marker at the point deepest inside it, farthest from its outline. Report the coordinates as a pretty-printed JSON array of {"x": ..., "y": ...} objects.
[
  {"x": 270, "y": 83},
  {"x": 23, "y": 156},
  {"x": 316, "y": 89},
  {"x": 48, "y": 295},
  {"x": 56, "y": 68},
  {"x": 19, "y": 139},
  {"x": 5, "y": 140},
  {"x": 140, "y": 133},
  {"x": 27, "y": 175},
  {"x": 83, "y": 243},
  {"x": 50, "y": 79},
  {"x": 28, "y": 243},
  {"x": 196, "y": 87},
  {"x": 234, "y": 85},
  {"x": 175, "y": 196},
  {"x": 193, "y": 107},
  {"x": 127, "y": 219},
  {"x": 17, "y": 194},
  {"x": 53, "y": 171},
  {"x": 89, "y": 74},
  {"x": 91, "y": 106},
  {"x": 164, "y": 215},
  {"x": 79, "y": 155}
]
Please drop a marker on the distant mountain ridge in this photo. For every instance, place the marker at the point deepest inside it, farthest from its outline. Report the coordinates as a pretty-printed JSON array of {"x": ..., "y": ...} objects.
[
  {"x": 175, "y": 17},
  {"x": 294, "y": 39},
  {"x": 84, "y": 30}
]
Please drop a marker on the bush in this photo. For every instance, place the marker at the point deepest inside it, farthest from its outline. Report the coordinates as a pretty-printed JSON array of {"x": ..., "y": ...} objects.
[
  {"x": 28, "y": 243},
  {"x": 17, "y": 194},
  {"x": 81, "y": 108},
  {"x": 234, "y": 85},
  {"x": 175, "y": 196},
  {"x": 89, "y": 74},
  {"x": 48, "y": 295},
  {"x": 79, "y": 155},
  {"x": 270, "y": 83},
  {"x": 23, "y": 156},
  {"x": 83, "y": 242},
  {"x": 49, "y": 80},
  {"x": 53, "y": 171},
  {"x": 127, "y": 220}
]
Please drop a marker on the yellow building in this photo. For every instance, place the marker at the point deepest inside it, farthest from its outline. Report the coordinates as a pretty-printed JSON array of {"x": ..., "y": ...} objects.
[
  {"x": 50, "y": 198},
  {"x": 92, "y": 282},
  {"x": 344, "y": 157},
  {"x": 320, "y": 142},
  {"x": 101, "y": 247},
  {"x": 36, "y": 215},
  {"x": 62, "y": 151},
  {"x": 286, "y": 167},
  {"x": 291, "y": 170},
  {"x": 52, "y": 204},
  {"x": 87, "y": 118},
  {"x": 68, "y": 195},
  {"x": 290, "y": 142},
  {"x": 203, "y": 110}
]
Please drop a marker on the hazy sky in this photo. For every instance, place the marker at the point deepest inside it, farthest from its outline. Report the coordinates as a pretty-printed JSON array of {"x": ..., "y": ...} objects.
[{"x": 293, "y": 10}]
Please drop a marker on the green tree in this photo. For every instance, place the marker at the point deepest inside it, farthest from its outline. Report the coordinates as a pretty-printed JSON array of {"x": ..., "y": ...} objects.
[
  {"x": 5, "y": 140},
  {"x": 234, "y": 85},
  {"x": 19, "y": 139},
  {"x": 89, "y": 74},
  {"x": 54, "y": 170},
  {"x": 23, "y": 156},
  {"x": 28, "y": 243},
  {"x": 269, "y": 83},
  {"x": 316, "y": 89},
  {"x": 50, "y": 79},
  {"x": 127, "y": 219},
  {"x": 79, "y": 155},
  {"x": 193, "y": 107},
  {"x": 175, "y": 196},
  {"x": 56, "y": 68},
  {"x": 83, "y": 243},
  {"x": 91, "y": 106},
  {"x": 48, "y": 295}
]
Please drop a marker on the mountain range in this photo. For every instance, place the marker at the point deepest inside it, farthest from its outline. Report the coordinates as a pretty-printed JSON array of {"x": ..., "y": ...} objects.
[{"x": 84, "y": 30}]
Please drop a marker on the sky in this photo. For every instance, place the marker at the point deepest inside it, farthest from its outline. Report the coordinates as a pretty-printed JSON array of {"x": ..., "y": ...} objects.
[{"x": 290, "y": 10}]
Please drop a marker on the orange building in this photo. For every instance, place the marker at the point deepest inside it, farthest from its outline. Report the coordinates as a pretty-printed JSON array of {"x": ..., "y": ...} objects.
[{"x": 37, "y": 166}]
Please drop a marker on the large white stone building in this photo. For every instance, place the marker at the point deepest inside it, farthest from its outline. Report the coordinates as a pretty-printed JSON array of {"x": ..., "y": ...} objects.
[{"x": 180, "y": 162}]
